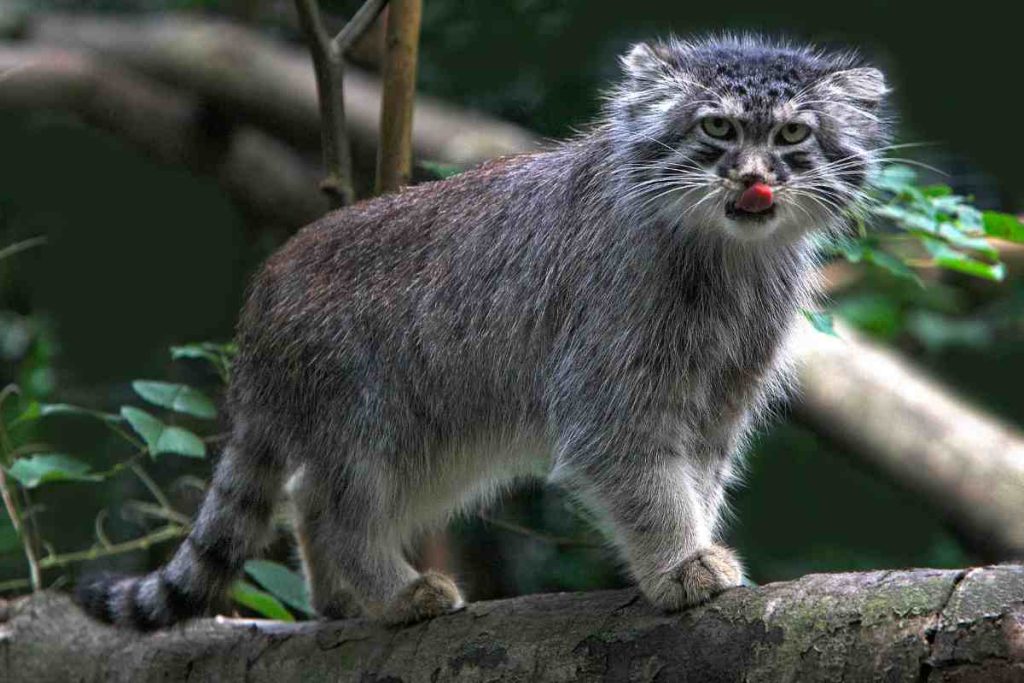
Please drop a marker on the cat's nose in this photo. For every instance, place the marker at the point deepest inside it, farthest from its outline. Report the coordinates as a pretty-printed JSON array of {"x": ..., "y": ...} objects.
[{"x": 750, "y": 179}]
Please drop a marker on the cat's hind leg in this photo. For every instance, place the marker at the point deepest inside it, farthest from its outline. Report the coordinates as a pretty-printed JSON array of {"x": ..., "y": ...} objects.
[{"x": 353, "y": 556}]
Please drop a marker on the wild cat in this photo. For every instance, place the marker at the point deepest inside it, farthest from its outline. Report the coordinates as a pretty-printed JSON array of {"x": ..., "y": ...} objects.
[{"x": 612, "y": 310}]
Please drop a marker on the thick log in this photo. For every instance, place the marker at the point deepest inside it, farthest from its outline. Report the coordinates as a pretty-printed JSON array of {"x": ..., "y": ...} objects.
[
  {"x": 272, "y": 84},
  {"x": 919, "y": 625},
  {"x": 262, "y": 175},
  {"x": 967, "y": 464}
]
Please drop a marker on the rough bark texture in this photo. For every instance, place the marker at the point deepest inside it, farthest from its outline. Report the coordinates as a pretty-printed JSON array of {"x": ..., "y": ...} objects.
[
  {"x": 401, "y": 44},
  {"x": 919, "y": 625},
  {"x": 967, "y": 464}
]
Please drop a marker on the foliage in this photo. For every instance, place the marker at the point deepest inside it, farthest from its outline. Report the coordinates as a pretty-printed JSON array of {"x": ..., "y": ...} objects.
[
  {"x": 908, "y": 227},
  {"x": 27, "y": 466}
]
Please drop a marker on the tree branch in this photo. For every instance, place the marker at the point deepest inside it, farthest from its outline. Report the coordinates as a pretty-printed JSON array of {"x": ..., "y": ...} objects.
[
  {"x": 901, "y": 626},
  {"x": 271, "y": 85},
  {"x": 358, "y": 25},
  {"x": 329, "y": 67},
  {"x": 967, "y": 464},
  {"x": 262, "y": 175},
  {"x": 394, "y": 153}
]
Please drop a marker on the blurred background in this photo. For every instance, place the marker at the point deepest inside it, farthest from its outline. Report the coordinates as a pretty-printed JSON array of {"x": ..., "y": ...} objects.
[{"x": 151, "y": 237}]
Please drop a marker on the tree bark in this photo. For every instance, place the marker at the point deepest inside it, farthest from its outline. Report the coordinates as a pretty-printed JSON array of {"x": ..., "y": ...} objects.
[
  {"x": 263, "y": 176},
  {"x": 401, "y": 44},
  {"x": 272, "y": 85},
  {"x": 919, "y": 625},
  {"x": 966, "y": 463}
]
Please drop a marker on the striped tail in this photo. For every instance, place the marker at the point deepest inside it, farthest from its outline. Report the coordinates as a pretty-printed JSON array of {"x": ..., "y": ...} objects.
[{"x": 232, "y": 525}]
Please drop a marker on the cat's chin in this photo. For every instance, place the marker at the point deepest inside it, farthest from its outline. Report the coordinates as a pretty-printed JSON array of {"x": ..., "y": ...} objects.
[
  {"x": 779, "y": 225},
  {"x": 745, "y": 230}
]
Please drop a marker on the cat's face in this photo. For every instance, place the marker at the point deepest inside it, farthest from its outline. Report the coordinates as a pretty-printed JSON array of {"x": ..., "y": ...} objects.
[{"x": 745, "y": 137}]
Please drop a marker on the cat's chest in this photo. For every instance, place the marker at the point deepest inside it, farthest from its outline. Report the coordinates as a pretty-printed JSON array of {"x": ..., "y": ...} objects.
[{"x": 720, "y": 344}]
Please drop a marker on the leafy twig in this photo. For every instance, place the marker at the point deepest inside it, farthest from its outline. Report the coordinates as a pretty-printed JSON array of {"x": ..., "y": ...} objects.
[{"x": 166, "y": 533}]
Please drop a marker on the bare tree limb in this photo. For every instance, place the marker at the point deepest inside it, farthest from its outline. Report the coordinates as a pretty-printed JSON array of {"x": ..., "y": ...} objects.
[
  {"x": 967, "y": 464},
  {"x": 262, "y": 175},
  {"x": 329, "y": 67},
  {"x": 920, "y": 625},
  {"x": 271, "y": 85},
  {"x": 394, "y": 153},
  {"x": 358, "y": 25}
]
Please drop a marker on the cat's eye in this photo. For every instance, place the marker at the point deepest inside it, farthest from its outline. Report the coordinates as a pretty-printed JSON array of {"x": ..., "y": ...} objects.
[
  {"x": 718, "y": 127},
  {"x": 792, "y": 133}
]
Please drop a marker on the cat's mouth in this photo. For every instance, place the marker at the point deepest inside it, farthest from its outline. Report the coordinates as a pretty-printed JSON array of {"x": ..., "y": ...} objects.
[
  {"x": 755, "y": 204},
  {"x": 737, "y": 214}
]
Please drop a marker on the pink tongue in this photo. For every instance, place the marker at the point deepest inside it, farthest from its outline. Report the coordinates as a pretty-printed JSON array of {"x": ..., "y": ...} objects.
[{"x": 755, "y": 199}]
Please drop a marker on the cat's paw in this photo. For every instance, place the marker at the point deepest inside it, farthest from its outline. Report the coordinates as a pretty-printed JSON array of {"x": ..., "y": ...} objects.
[
  {"x": 695, "y": 580},
  {"x": 342, "y": 605},
  {"x": 429, "y": 596}
]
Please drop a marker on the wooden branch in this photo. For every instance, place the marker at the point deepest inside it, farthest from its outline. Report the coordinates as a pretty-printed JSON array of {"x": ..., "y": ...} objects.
[
  {"x": 394, "y": 153},
  {"x": 967, "y": 464},
  {"x": 329, "y": 69},
  {"x": 259, "y": 173},
  {"x": 921, "y": 625},
  {"x": 355, "y": 27},
  {"x": 271, "y": 85}
]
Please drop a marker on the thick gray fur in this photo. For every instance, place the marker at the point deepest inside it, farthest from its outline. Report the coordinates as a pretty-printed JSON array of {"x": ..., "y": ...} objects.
[{"x": 596, "y": 311}]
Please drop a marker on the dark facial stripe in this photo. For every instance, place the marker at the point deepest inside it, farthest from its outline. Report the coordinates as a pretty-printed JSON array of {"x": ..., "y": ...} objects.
[
  {"x": 707, "y": 153},
  {"x": 798, "y": 161}
]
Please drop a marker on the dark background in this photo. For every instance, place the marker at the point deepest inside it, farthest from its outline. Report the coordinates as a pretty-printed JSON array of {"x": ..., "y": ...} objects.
[{"x": 142, "y": 256}]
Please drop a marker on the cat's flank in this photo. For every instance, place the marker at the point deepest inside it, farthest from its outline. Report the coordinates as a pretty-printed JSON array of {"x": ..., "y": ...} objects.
[{"x": 611, "y": 311}]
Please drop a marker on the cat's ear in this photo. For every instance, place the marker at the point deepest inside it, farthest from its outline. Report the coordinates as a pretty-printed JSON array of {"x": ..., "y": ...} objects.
[
  {"x": 646, "y": 62},
  {"x": 865, "y": 85}
]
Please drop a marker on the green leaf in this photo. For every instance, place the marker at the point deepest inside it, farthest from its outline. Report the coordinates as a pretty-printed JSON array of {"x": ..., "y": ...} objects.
[
  {"x": 954, "y": 236},
  {"x": 936, "y": 190},
  {"x": 1005, "y": 226},
  {"x": 178, "y": 397},
  {"x": 876, "y": 314},
  {"x": 440, "y": 169},
  {"x": 906, "y": 218},
  {"x": 287, "y": 585},
  {"x": 244, "y": 593},
  {"x": 32, "y": 412},
  {"x": 895, "y": 178},
  {"x": 162, "y": 438},
  {"x": 951, "y": 259},
  {"x": 48, "y": 409},
  {"x": 822, "y": 322},
  {"x": 40, "y": 469},
  {"x": 210, "y": 351},
  {"x": 891, "y": 264},
  {"x": 851, "y": 250}
]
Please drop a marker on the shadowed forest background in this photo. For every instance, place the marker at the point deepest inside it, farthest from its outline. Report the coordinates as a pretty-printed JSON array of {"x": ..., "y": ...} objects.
[{"x": 141, "y": 256}]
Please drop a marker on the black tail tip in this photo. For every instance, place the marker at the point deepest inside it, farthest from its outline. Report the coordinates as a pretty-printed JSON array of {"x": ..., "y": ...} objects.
[{"x": 93, "y": 595}]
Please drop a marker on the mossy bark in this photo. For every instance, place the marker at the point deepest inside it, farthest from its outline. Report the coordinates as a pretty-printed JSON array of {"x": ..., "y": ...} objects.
[{"x": 918, "y": 625}]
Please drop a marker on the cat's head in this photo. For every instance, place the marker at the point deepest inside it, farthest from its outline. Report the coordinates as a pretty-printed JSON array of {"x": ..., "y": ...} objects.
[{"x": 745, "y": 136}]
